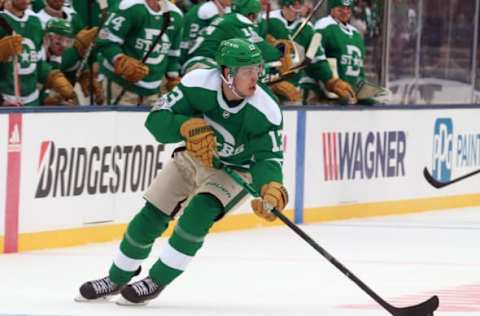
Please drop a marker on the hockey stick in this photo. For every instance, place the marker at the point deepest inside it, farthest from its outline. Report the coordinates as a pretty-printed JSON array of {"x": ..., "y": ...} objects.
[
  {"x": 307, "y": 19},
  {"x": 439, "y": 184},
  {"x": 166, "y": 22},
  {"x": 423, "y": 309},
  {"x": 86, "y": 58},
  {"x": 16, "y": 77}
]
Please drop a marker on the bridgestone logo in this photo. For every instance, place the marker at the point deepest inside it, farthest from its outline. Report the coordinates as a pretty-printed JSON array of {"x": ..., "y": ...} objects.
[{"x": 93, "y": 170}]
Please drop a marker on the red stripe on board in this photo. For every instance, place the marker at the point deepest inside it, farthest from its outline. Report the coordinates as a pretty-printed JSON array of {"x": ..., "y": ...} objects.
[
  {"x": 334, "y": 150},
  {"x": 465, "y": 298},
  {"x": 13, "y": 182},
  {"x": 325, "y": 157}
]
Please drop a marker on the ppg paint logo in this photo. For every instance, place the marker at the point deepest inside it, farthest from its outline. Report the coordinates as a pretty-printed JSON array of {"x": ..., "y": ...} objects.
[{"x": 442, "y": 149}]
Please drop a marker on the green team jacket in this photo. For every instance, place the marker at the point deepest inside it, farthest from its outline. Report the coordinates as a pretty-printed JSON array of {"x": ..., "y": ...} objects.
[
  {"x": 249, "y": 136},
  {"x": 131, "y": 30},
  {"x": 346, "y": 45},
  {"x": 32, "y": 65},
  {"x": 280, "y": 28},
  {"x": 232, "y": 25}
]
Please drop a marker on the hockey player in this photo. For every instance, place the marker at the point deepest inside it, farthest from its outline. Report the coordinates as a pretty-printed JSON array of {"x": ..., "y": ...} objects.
[
  {"x": 62, "y": 54},
  {"x": 282, "y": 25},
  {"x": 22, "y": 61},
  {"x": 220, "y": 112},
  {"x": 241, "y": 23},
  {"x": 343, "y": 42},
  {"x": 127, "y": 38},
  {"x": 198, "y": 18}
]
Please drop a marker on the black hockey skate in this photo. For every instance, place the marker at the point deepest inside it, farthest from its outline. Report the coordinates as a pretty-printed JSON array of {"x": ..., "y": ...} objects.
[
  {"x": 140, "y": 292},
  {"x": 101, "y": 289}
]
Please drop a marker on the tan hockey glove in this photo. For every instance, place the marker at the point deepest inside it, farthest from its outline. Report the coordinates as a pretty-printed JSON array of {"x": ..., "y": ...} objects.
[
  {"x": 84, "y": 38},
  {"x": 10, "y": 46},
  {"x": 56, "y": 80},
  {"x": 273, "y": 195},
  {"x": 287, "y": 90},
  {"x": 200, "y": 140},
  {"x": 84, "y": 81},
  {"x": 286, "y": 47},
  {"x": 172, "y": 82},
  {"x": 342, "y": 89},
  {"x": 130, "y": 68}
]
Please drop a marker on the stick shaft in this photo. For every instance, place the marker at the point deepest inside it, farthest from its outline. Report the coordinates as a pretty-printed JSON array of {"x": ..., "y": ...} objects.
[{"x": 239, "y": 180}]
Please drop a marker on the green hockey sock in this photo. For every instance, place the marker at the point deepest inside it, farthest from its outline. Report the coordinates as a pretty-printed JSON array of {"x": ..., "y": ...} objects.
[
  {"x": 137, "y": 242},
  {"x": 187, "y": 238}
]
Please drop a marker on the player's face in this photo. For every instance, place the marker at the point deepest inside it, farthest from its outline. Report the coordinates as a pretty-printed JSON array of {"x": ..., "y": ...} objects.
[
  {"x": 290, "y": 12},
  {"x": 20, "y": 5},
  {"x": 56, "y": 4},
  {"x": 58, "y": 43},
  {"x": 225, "y": 3},
  {"x": 246, "y": 79},
  {"x": 342, "y": 13}
]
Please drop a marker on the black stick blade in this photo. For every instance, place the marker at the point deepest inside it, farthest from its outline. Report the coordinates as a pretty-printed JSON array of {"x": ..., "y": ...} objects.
[
  {"x": 430, "y": 179},
  {"x": 423, "y": 309}
]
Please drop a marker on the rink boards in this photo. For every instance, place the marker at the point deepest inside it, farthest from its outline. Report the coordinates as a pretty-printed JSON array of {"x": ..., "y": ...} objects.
[{"x": 69, "y": 178}]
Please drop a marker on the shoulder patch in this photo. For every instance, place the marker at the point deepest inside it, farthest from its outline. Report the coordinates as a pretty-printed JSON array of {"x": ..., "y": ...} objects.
[
  {"x": 202, "y": 78},
  {"x": 264, "y": 103},
  {"x": 325, "y": 22},
  {"x": 207, "y": 10}
]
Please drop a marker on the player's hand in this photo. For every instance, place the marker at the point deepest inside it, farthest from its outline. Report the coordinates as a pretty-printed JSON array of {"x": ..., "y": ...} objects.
[
  {"x": 130, "y": 68},
  {"x": 342, "y": 89},
  {"x": 287, "y": 90},
  {"x": 10, "y": 46},
  {"x": 84, "y": 39},
  {"x": 200, "y": 140},
  {"x": 172, "y": 82},
  {"x": 56, "y": 80},
  {"x": 84, "y": 81},
  {"x": 273, "y": 195}
]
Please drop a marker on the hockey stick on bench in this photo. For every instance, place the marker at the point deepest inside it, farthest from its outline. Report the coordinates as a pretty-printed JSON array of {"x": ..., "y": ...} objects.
[{"x": 423, "y": 309}]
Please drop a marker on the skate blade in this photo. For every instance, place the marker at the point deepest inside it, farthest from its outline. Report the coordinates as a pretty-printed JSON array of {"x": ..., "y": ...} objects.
[
  {"x": 80, "y": 299},
  {"x": 123, "y": 302}
]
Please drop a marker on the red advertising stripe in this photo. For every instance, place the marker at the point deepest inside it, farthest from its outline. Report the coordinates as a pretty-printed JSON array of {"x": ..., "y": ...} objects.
[
  {"x": 334, "y": 154},
  {"x": 13, "y": 182},
  {"x": 325, "y": 158}
]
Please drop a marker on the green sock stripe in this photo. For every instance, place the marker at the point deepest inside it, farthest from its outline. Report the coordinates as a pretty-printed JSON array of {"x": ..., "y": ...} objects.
[
  {"x": 187, "y": 236},
  {"x": 136, "y": 244},
  {"x": 162, "y": 274},
  {"x": 119, "y": 276},
  {"x": 235, "y": 200}
]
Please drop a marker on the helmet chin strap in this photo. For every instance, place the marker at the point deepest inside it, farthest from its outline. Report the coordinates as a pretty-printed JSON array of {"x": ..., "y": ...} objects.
[{"x": 229, "y": 81}]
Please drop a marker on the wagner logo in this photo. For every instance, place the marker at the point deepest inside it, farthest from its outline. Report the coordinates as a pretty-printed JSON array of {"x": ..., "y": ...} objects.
[
  {"x": 363, "y": 155},
  {"x": 92, "y": 170},
  {"x": 442, "y": 151}
]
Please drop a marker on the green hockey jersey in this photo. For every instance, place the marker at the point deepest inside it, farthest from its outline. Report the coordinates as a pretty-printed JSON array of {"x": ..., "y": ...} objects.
[
  {"x": 346, "y": 45},
  {"x": 232, "y": 25},
  {"x": 249, "y": 135},
  {"x": 195, "y": 20},
  {"x": 32, "y": 67},
  {"x": 280, "y": 28},
  {"x": 131, "y": 30},
  {"x": 81, "y": 7}
]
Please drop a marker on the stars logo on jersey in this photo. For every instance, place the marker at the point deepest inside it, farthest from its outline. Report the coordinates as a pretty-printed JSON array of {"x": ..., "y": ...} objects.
[{"x": 226, "y": 114}]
